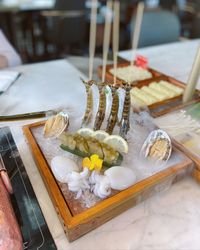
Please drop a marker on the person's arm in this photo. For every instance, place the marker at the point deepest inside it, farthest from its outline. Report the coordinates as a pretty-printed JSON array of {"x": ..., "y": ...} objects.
[
  {"x": 3, "y": 62},
  {"x": 8, "y": 55}
]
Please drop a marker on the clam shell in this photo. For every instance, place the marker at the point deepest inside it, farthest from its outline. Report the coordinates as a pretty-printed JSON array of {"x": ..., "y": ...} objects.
[
  {"x": 157, "y": 145},
  {"x": 120, "y": 178},
  {"x": 61, "y": 166},
  {"x": 55, "y": 125}
]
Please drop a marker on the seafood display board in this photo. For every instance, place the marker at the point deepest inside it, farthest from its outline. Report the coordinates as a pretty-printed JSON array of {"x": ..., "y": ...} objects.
[
  {"x": 81, "y": 215},
  {"x": 183, "y": 125},
  {"x": 163, "y": 92},
  {"x": 35, "y": 232}
]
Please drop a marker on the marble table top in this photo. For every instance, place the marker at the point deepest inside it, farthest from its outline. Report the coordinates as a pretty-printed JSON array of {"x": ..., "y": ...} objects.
[
  {"x": 44, "y": 86},
  {"x": 169, "y": 220}
]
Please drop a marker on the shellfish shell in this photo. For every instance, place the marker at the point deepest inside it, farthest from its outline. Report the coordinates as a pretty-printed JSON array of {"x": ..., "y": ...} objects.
[
  {"x": 120, "y": 178},
  {"x": 55, "y": 125},
  {"x": 61, "y": 166},
  {"x": 157, "y": 145}
]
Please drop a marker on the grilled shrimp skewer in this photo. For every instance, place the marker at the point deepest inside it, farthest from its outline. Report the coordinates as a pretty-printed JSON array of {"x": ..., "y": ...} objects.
[
  {"x": 102, "y": 106},
  {"x": 89, "y": 108},
  {"x": 114, "y": 110},
  {"x": 124, "y": 124}
]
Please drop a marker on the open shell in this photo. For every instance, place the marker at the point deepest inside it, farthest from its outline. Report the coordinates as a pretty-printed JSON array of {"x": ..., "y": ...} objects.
[
  {"x": 157, "y": 146},
  {"x": 55, "y": 125}
]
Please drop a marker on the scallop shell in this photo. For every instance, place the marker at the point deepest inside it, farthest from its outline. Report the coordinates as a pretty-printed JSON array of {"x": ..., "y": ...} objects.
[
  {"x": 55, "y": 125},
  {"x": 120, "y": 178},
  {"x": 157, "y": 145},
  {"x": 61, "y": 166}
]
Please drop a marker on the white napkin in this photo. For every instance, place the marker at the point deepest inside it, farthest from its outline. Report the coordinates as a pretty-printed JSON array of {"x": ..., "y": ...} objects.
[{"x": 7, "y": 78}]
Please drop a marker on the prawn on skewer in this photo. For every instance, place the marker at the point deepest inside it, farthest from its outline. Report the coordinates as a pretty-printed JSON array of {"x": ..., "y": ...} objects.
[
  {"x": 102, "y": 106},
  {"x": 113, "y": 117},
  {"x": 89, "y": 108},
  {"x": 125, "y": 123}
]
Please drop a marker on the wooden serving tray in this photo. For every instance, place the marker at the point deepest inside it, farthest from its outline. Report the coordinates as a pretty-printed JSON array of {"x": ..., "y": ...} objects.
[
  {"x": 76, "y": 225},
  {"x": 196, "y": 174},
  {"x": 158, "y": 108},
  {"x": 109, "y": 77},
  {"x": 178, "y": 145},
  {"x": 163, "y": 107}
]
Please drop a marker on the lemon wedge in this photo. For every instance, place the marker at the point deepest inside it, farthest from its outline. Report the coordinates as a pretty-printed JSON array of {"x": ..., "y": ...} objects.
[
  {"x": 100, "y": 135},
  {"x": 117, "y": 143},
  {"x": 85, "y": 132}
]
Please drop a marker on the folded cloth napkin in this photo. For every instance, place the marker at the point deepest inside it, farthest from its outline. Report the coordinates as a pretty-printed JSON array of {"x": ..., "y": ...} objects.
[{"x": 7, "y": 78}]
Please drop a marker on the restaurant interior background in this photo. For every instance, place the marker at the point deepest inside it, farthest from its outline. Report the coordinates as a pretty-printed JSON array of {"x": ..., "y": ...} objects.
[{"x": 42, "y": 30}]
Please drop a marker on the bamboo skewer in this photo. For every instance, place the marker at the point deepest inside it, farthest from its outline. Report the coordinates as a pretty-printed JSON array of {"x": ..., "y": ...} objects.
[
  {"x": 193, "y": 78},
  {"x": 92, "y": 43},
  {"x": 106, "y": 41},
  {"x": 26, "y": 116},
  {"x": 116, "y": 8},
  {"x": 136, "y": 33}
]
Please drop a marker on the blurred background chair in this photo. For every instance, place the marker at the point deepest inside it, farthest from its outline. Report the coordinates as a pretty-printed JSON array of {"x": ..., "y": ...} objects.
[
  {"x": 195, "y": 24},
  {"x": 158, "y": 27},
  {"x": 169, "y": 4},
  {"x": 195, "y": 32},
  {"x": 64, "y": 27}
]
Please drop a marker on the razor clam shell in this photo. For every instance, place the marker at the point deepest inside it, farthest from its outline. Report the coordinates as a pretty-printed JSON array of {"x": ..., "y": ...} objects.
[{"x": 152, "y": 138}]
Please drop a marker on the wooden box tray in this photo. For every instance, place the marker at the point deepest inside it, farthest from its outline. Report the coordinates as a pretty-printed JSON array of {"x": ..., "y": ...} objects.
[
  {"x": 158, "y": 108},
  {"x": 109, "y": 76},
  {"x": 194, "y": 157},
  {"x": 75, "y": 223},
  {"x": 196, "y": 174},
  {"x": 166, "y": 106}
]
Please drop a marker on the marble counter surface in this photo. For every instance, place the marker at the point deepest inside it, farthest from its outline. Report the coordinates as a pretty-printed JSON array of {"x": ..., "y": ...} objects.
[
  {"x": 44, "y": 86},
  {"x": 168, "y": 221}
]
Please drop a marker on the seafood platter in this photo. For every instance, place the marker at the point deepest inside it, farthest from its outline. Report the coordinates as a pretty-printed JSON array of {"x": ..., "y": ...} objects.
[
  {"x": 97, "y": 165},
  {"x": 183, "y": 125},
  {"x": 150, "y": 88}
]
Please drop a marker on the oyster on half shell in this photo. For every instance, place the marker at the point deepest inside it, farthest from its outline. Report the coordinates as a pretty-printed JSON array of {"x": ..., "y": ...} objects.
[
  {"x": 157, "y": 146},
  {"x": 55, "y": 125}
]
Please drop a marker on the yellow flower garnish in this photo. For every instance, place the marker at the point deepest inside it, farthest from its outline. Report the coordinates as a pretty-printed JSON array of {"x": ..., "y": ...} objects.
[
  {"x": 92, "y": 163},
  {"x": 87, "y": 163},
  {"x": 97, "y": 162}
]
